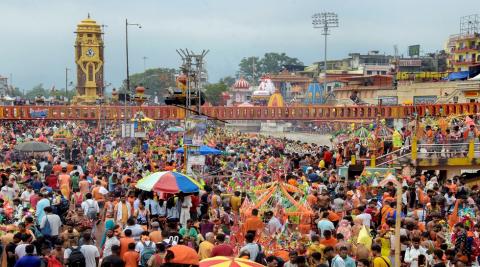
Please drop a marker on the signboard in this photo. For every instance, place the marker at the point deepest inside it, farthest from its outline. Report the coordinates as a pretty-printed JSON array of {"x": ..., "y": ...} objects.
[
  {"x": 420, "y": 100},
  {"x": 196, "y": 160},
  {"x": 471, "y": 93},
  {"x": 414, "y": 50},
  {"x": 410, "y": 62},
  {"x": 388, "y": 100},
  {"x": 195, "y": 129},
  {"x": 128, "y": 130},
  {"x": 38, "y": 114}
]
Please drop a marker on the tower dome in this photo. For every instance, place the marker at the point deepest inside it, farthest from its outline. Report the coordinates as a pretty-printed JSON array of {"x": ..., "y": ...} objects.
[{"x": 241, "y": 84}]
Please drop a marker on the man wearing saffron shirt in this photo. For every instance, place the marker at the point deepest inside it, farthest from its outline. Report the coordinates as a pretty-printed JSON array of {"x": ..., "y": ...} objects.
[
  {"x": 327, "y": 157},
  {"x": 222, "y": 249},
  {"x": 253, "y": 223}
]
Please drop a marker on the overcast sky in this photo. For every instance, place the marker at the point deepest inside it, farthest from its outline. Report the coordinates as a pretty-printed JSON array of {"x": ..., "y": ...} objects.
[{"x": 37, "y": 36}]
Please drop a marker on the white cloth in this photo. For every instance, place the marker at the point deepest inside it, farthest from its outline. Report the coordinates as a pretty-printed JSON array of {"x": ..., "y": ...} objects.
[
  {"x": 118, "y": 216},
  {"x": 90, "y": 203},
  {"x": 109, "y": 242},
  {"x": 54, "y": 221},
  {"x": 411, "y": 255},
  {"x": 90, "y": 252},
  {"x": 337, "y": 261},
  {"x": 20, "y": 250},
  {"x": 274, "y": 226},
  {"x": 185, "y": 211},
  {"x": 8, "y": 192},
  {"x": 26, "y": 197},
  {"x": 366, "y": 219}
]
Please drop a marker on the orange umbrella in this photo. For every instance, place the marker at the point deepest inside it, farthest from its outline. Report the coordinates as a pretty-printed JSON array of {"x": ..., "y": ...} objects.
[
  {"x": 221, "y": 261},
  {"x": 184, "y": 255}
]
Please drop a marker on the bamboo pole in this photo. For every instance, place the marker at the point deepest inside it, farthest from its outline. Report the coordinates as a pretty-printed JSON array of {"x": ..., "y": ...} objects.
[{"x": 398, "y": 220}]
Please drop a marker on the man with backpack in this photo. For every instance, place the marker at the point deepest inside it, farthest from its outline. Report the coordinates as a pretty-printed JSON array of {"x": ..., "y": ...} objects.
[
  {"x": 90, "y": 207},
  {"x": 254, "y": 250},
  {"x": 145, "y": 248},
  {"x": 114, "y": 259},
  {"x": 50, "y": 224}
]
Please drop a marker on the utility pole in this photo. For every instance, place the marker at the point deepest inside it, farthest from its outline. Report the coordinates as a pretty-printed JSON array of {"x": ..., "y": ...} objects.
[
  {"x": 66, "y": 86},
  {"x": 127, "y": 86},
  {"x": 325, "y": 21},
  {"x": 144, "y": 69},
  {"x": 103, "y": 66}
]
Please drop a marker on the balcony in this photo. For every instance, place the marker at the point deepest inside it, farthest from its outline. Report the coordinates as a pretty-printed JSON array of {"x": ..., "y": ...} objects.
[
  {"x": 459, "y": 50},
  {"x": 464, "y": 62}
]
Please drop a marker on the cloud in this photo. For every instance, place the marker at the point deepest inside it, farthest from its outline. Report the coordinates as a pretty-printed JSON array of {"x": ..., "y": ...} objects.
[{"x": 38, "y": 36}]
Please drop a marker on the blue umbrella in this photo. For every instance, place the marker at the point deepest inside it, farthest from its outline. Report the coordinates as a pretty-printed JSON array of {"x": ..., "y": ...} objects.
[{"x": 203, "y": 150}]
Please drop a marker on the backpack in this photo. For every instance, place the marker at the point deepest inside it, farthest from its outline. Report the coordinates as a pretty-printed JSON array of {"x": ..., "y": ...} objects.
[
  {"x": 76, "y": 258},
  {"x": 260, "y": 256},
  {"x": 147, "y": 252},
  {"x": 47, "y": 229},
  {"x": 91, "y": 211}
]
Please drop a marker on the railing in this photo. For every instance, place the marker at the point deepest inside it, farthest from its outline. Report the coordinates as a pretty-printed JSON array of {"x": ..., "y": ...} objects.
[{"x": 313, "y": 112}]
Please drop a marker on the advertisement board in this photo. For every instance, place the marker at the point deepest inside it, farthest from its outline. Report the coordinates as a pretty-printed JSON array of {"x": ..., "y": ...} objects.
[
  {"x": 195, "y": 129},
  {"x": 388, "y": 100},
  {"x": 420, "y": 100}
]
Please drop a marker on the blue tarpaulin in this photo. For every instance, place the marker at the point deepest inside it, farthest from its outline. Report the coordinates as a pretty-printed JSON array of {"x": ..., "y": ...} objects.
[
  {"x": 460, "y": 75},
  {"x": 203, "y": 150}
]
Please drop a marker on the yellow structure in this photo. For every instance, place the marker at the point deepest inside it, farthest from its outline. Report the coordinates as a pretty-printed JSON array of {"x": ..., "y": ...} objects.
[
  {"x": 89, "y": 61},
  {"x": 276, "y": 100},
  {"x": 464, "y": 51}
]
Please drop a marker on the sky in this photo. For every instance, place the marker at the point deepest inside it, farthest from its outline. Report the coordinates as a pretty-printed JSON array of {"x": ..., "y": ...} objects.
[{"x": 37, "y": 36}]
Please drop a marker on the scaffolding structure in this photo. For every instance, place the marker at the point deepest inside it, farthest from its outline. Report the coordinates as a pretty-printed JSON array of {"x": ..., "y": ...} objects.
[{"x": 469, "y": 25}]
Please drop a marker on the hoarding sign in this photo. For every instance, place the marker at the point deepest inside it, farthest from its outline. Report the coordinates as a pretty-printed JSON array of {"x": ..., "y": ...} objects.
[
  {"x": 420, "y": 100},
  {"x": 38, "y": 114},
  {"x": 414, "y": 50},
  {"x": 195, "y": 130},
  {"x": 388, "y": 100},
  {"x": 410, "y": 62}
]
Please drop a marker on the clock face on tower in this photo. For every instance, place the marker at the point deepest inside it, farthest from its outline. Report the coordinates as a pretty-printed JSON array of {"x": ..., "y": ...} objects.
[{"x": 90, "y": 52}]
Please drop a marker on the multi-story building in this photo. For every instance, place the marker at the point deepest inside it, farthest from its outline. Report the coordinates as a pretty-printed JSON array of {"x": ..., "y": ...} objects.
[
  {"x": 464, "y": 51},
  {"x": 3, "y": 86}
]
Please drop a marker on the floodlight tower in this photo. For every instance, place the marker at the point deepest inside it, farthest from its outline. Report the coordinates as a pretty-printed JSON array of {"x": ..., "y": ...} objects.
[{"x": 325, "y": 21}]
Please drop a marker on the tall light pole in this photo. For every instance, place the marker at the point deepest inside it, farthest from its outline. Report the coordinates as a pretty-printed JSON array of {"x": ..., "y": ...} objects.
[
  {"x": 325, "y": 21},
  {"x": 144, "y": 69},
  {"x": 66, "y": 85},
  {"x": 127, "y": 87}
]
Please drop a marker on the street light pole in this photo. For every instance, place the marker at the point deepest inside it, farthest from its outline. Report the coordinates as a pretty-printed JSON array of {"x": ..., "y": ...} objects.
[
  {"x": 127, "y": 87},
  {"x": 66, "y": 85},
  {"x": 325, "y": 21}
]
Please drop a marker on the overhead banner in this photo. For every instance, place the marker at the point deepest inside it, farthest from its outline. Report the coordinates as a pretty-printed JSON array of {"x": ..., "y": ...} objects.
[
  {"x": 421, "y": 100},
  {"x": 195, "y": 130}
]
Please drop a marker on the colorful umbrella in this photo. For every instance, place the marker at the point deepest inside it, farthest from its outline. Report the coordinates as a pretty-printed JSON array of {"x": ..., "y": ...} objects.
[
  {"x": 168, "y": 182},
  {"x": 221, "y": 261},
  {"x": 184, "y": 255}
]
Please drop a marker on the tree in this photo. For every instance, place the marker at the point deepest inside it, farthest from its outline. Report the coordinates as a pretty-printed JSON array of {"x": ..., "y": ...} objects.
[
  {"x": 273, "y": 62},
  {"x": 156, "y": 81},
  {"x": 249, "y": 68},
  {"x": 229, "y": 80},
  {"x": 37, "y": 90},
  {"x": 213, "y": 92}
]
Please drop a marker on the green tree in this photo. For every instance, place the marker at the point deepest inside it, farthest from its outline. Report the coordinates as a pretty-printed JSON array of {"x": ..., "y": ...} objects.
[
  {"x": 213, "y": 92},
  {"x": 249, "y": 68},
  {"x": 15, "y": 92},
  {"x": 273, "y": 62},
  {"x": 229, "y": 80},
  {"x": 37, "y": 90},
  {"x": 156, "y": 81}
]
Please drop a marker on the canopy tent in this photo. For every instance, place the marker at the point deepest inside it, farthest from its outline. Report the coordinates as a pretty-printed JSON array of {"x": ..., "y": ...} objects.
[
  {"x": 203, "y": 150},
  {"x": 459, "y": 75},
  {"x": 476, "y": 78},
  {"x": 33, "y": 146}
]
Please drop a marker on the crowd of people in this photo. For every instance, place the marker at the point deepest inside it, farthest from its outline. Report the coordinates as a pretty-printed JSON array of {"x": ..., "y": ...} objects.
[{"x": 78, "y": 205}]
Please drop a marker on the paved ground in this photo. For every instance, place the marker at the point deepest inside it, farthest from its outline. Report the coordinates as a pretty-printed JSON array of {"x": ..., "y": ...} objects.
[{"x": 319, "y": 139}]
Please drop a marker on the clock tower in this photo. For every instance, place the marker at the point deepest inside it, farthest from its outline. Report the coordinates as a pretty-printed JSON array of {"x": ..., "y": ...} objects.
[{"x": 89, "y": 61}]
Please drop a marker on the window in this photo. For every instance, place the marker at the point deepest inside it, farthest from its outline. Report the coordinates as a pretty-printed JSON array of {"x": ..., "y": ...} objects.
[
  {"x": 369, "y": 72},
  {"x": 384, "y": 72}
]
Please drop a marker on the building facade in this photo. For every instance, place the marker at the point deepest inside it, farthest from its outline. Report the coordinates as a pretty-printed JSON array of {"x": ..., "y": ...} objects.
[
  {"x": 464, "y": 51},
  {"x": 3, "y": 86}
]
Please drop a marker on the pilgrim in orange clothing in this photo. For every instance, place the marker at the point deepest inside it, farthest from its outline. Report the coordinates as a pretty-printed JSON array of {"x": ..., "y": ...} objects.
[{"x": 253, "y": 223}]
